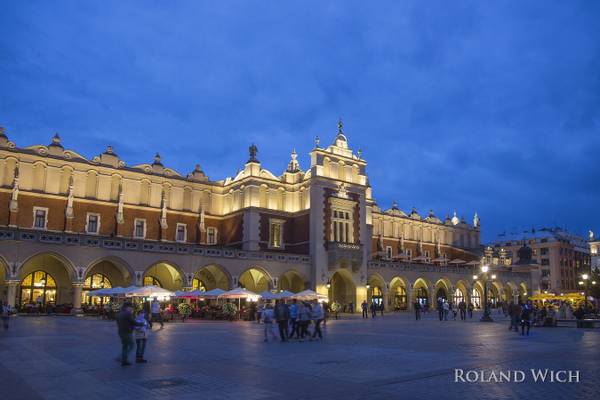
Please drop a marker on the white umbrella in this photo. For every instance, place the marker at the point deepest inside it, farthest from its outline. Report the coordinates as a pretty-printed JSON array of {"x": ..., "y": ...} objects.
[
  {"x": 309, "y": 295},
  {"x": 285, "y": 294},
  {"x": 474, "y": 262},
  {"x": 192, "y": 294},
  {"x": 266, "y": 295},
  {"x": 149, "y": 291},
  {"x": 239, "y": 293},
  {"x": 457, "y": 261},
  {"x": 212, "y": 294}
]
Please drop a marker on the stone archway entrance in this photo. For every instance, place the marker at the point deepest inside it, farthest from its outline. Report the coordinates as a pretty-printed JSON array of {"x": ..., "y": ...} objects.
[
  {"x": 255, "y": 280},
  {"x": 421, "y": 293},
  {"x": 343, "y": 290},
  {"x": 397, "y": 296},
  {"x": 45, "y": 279},
  {"x": 291, "y": 281},
  {"x": 164, "y": 275},
  {"x": 211, "y": 277}
]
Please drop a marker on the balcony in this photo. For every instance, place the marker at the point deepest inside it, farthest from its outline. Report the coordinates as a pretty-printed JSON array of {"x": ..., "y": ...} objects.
[{"x": 344, "y": 255}]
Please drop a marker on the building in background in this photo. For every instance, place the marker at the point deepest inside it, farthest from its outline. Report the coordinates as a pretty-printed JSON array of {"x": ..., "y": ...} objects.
[
  {"x": 562, "y": 256},
  {"x": 594, "y": 250},
  {"x": 69, "y": 224}
]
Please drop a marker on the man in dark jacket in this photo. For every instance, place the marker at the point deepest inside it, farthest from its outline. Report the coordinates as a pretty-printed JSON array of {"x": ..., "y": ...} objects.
[
  {"x": 125, "y": 324},
  {"x": 282, "y": 316}
]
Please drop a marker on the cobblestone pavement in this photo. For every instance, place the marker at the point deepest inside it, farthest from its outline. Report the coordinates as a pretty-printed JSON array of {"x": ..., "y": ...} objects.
[{"x": 393, "y": 357}]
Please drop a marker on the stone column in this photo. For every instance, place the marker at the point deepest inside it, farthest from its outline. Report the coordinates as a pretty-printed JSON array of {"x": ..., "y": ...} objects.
[
  {"x": 77, "y": 286},
  {"x": 11, "y": 296},
  {"x": 409, "y": 300},
  {"x": 385, "y": 298}
]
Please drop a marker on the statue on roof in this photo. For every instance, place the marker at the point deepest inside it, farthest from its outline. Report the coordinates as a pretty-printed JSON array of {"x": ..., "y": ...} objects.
[{"x": 252, "y": 150}]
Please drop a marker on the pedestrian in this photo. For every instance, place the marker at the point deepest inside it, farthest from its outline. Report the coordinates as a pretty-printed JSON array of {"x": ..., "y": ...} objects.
[
  {"x": 440, "y": 308},
  {"x": 125, "y": 324},
  {"x": 470, "y": 310},
  {"x": 351, "y": 308},
  {"x": 156, "y": 315},
  {"x": 446, "y": 309},
  {"x": 453, "y": 310},
  {"x": 141, "y": 337},
  {"x": 267, "y": 318},
  {"x": 462, "y": 307},
  {"x": 373, "y": 309},
  {"x": 282, "y": 316},
  {"x": 304, "y": 311},
  {"x": 417, "y": 310},
  {"x": 294, "y": 319},
  {"x": 317, "y": 316},
  {"x": 381, "y": 307},
  {"x": 526, "y": 318},
  {"x": 4, "y": 314},
  {"x": 365, "y": 309}
]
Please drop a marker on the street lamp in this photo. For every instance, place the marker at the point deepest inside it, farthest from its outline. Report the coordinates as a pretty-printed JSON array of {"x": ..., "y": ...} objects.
[
  {"x": 486, "y": 308},
  {"x": 586, "y": 282}
]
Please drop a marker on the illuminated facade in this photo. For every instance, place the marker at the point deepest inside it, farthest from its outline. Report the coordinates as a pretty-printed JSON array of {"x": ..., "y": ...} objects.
[{"x": 87, "y": 223}]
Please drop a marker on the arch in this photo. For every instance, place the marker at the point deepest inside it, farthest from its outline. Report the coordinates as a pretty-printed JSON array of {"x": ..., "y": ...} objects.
[
  {"x": 522, "y": 292},
  {"x": 38, "y": 287},
  {"x": 420, "y": 292},
  {"x": 376, "y": 289},
  {"x": 476, "y": 295},
  {"x": 442, "y": 288},
  {"x": 58, "y": 267},
  {"x": 255, "y": 279},
  {"x": 343, "y": 289},
  {"x": 397, "y": 295},
  {"x": 510, "y": 290},
  {"x": 213, "y": 276},
  {"x": 461, "y": 292},
  {"x": 495, "y": 292},
  {"x": 168, "y": 274},
  {"x": 292, "y": 281},
  {"x": 3, "y": 274},
  {"x": 94, "y": 281},
  {"x": 118, "y": 271}
]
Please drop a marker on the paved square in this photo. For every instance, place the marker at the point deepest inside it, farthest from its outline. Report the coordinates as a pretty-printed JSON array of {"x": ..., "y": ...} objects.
[{"x": 387, "y": 358}]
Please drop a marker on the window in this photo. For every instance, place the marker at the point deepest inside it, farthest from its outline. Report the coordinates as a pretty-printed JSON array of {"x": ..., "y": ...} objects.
[
  {"x": 211, "y": 235},
  {"x": 38, "y": 288},
  {"x": 427, "y": 255},
  {"x": 388, "y": 252},
  {"x": 93, "y": 282},
  {"x": 408, "y": 254},
  {"x": 546, "y": 272},
  {"x": 544, "y": 240},
  {"x": 181, "y": 233},
  {"x": 544, "y": 251},
  {"x": 40, "y": 217},
  {"x": 342, "y": 227},
  {"x": 197, "y": 284},
  {"x": 93, "y": 223},
  {"x": 545, "y": 261},
  {"x": 276, "y": 233},
  {"x": 149, "y": 280},
  {"x": 139, "y": 231}
]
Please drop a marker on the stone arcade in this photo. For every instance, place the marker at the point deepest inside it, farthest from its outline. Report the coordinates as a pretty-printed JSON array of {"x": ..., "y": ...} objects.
[{"x": 69, "y": 224}]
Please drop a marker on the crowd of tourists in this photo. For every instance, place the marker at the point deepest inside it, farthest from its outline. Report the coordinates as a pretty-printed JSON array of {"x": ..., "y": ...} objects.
[{"x": 298, "y": 320}]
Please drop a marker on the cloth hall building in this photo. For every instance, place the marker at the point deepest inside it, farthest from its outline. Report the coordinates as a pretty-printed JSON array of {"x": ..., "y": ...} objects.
[{"x": 70, "y": 224}]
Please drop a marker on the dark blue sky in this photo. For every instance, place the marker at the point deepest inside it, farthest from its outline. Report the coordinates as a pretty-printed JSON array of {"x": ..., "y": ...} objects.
[{"x": 475, "y": 106}]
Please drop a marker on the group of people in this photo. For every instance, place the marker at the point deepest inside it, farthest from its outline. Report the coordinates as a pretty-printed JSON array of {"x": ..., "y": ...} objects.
[
  {"x": 447, "y": 309},
  {"x": 293, "y": 320},
  {"x": 372, "y": 309}
]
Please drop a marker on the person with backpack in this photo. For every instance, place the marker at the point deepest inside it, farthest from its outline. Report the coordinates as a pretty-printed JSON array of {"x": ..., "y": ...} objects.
[
  {"x": 317, "y": 316},
  {"x": 267, "y": 318},
  {"x": 282, "y": 316}
]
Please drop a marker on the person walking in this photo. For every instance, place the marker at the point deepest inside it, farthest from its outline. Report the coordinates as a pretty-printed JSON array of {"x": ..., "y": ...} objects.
[
  {"x": 125, "y": 325},
  {"x": 365, "y": 309},
  {"x": 351, "y": 308},
  {"x": 462, "y": 307},
  {"x": 526, "y": 318},
  {"x": 417, "y": 310},
  {"x": 373, "y": 309},
  {"x": 446, "y": 309},
  {"x": 267, "y": 316},
  {"x": 156, "y": 316},
  {"x": 304, "y": 311},
  {"x": 317, "y": 316},
  {"x": 470, "y": 310},
  {"x": 141, "y": 337},
  {"x": 282, "y": 316},
  {"x": 294, "y": 319},
  {"x": 381, "y": 309},
  {"x": 440, "y": 308},
  {"x": 4, "y": 314}
]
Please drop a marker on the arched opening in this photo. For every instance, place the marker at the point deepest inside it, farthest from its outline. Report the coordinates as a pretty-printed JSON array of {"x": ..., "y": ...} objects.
[
  {"x": 494, "y": 293},
  {"x": 421, "y": 292},
  {"x": 442, "y": 290},
  {"x": 291, "y": 281},
  {"x": 375, "y": 289},
  {"x": 510, "y": 290},
  {"x": 255, "y": 280},
  {"x": 522, "y": 293},
  {"x": 104, "y": 273},
  {"x": 343, "y": 289},
  {"x": 45, "y": 279},
  {"x": 397, "y": 299},
  {"x": 211, "y": 277},
  {"x": 3, "y": 288},
  {"x": 163, "y": 275},
  {"x": 477, "y": 295},
  {"x": 460, "y": 293}
]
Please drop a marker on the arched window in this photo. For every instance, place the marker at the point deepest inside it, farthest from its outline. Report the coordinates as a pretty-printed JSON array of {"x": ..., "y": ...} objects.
[
  {"x": 197, "y": 284},
  {"x": 94, "y": 282},
  {"x": 150, "y": 280},
  {"x": 377, "y": 296},
  {"x": 400, "y": 298},
  {"x": 422, "y": 296},
  {"x": 458, "y": 296},
  {"x": 39, "y": 287},
  {"x": 476, "y": 298}
]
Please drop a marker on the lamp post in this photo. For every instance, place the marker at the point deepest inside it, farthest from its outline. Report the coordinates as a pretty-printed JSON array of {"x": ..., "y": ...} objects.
[
  {"x": 486, "y": 308},
  {"x": 586, "y": 282}
]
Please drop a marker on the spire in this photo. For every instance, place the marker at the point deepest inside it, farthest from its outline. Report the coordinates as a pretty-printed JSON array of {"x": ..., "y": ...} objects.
[
  {"x": 340, "y": 126},
  {"x": 293, "y": 166},
  {"x": 340, "y": 139}
]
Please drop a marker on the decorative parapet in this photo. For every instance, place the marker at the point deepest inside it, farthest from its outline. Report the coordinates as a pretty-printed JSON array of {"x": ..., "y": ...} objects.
[
  {"x": 407, "y": 266},
  {"x": 123, "y": 244}
]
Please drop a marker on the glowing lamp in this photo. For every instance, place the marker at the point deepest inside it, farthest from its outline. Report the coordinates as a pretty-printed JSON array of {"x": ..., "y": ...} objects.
[
  {"x": 493, "y": 276},
  {"x": 475, "y": 277},
  {"x": 485, "y": 268},
  {"x": 585, "y": 276}
]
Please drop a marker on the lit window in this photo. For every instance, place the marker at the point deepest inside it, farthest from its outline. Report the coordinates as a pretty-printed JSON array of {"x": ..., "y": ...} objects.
[
  {"x": 94, "y": 282},
  {"x": 93, "y": 223},
  {"x": 211, "y": 235},
  {"x": 409, "y": 254},
  {"x": 149, "y": 280},
  {"x": 276, "y": 233},
  {"x": 341, "y": 224},
  {"x": 38, "y": 288},
  {"x": 181, "y": 234},
  {"x": 388, "y": 252},
  {"x": 197, "y": 284},
  {"x": 139, "y": 229},
  {"x": 40, "y": 217}
]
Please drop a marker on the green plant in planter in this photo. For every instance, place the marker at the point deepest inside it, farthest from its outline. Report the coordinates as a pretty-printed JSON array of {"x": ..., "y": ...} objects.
[
  {"x": 185, "y": 310},
  {"x": 230, "y": 310}
]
